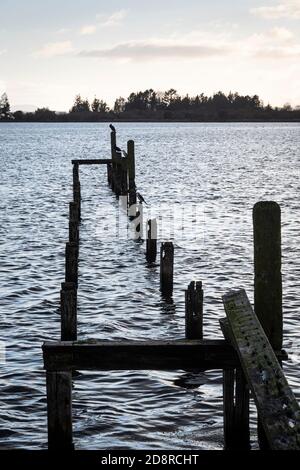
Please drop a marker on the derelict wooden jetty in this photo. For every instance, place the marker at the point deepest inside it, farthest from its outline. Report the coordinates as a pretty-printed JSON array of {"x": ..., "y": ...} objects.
[{"x": 250, "y": 355}]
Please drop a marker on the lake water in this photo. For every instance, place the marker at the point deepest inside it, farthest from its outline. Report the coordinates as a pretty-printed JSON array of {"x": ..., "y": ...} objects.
[{"x": 223, "y": 170}]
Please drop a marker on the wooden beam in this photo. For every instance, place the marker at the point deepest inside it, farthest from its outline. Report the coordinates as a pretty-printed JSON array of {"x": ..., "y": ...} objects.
[
  {"x": 104, "y": 161},
  {"x": 135, "y": 355},
  {"x": 277, "y": 407}
]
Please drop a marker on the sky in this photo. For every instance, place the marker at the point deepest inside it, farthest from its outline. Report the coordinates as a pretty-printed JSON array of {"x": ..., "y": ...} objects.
[{"x": 52, "y": 50}]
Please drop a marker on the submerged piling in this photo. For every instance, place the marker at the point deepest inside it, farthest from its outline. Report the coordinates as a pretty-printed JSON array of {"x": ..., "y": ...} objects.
[
  {"x": 166, "y": 268},
  {"x": 194, "y": 311},
  {"x": 151, "y": 242}
]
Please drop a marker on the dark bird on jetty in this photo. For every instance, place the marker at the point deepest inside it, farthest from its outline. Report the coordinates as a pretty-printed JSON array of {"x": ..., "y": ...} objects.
[
  {"x": 112, "y": 128},
  {"x": 141, "y": 199},
  {"x": 118, "y": 149}
]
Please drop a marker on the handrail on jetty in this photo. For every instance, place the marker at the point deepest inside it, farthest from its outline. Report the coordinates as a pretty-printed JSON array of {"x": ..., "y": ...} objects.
[{"x": 250, "y": 355}]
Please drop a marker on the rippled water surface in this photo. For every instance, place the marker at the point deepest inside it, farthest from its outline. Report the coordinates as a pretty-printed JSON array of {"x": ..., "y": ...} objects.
[{"x": 223, "y": 169}]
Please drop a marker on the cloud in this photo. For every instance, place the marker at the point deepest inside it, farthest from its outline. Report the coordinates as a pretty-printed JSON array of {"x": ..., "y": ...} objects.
[
  {"x": 3, "y": 51},
  {"x": 63, "y": 31},
  {"x": 284, "y": 9},
  {"x": 113, "y": 20},
  {"x": 143, "y": 51},
  {"x": 88, "y": 29},
  {"x": 54, "y": 49}
]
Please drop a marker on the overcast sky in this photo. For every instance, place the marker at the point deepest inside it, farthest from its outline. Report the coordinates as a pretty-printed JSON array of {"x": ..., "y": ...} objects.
[{"x": 52, "y": 50}]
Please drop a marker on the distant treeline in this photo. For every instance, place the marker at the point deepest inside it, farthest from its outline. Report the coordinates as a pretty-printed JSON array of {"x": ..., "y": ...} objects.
[{"x": 150, "y": 105}]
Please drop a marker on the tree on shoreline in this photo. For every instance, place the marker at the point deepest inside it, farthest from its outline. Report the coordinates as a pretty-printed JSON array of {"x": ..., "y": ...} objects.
[
  {"x": 99, "y": 106},
  {"x": 80, "y": 105},
  {"x": 151, "y": 105},
  {"x": 5, "y": 107}
]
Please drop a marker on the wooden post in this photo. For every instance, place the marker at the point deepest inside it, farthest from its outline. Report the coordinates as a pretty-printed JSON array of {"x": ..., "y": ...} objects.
[
  {"x": 109, "y": 174},
  {"x": 268, "y": 280},
  {"x": 139, "y": 224},
  {"x": 236, "y": 403},
  {"x": 72, "y": 263},
  {"x": 73, "y": 232},
  {"x": 131, "y": 173},
  {"x": 68, "y": 306},
  {"x": 74, "y": 211},
  {"x": 241, "y": 418},
  {"x": 113, "y": 142},
  {"x": 194, "y": 311},
  {"x": 124, "y": 185},
  {"x": 118, "y": 173},
  {"x": 166, "y": 268},
  {"x": 59, "y": 408},
  {"x": 228, "y": 409},
  {"x": 75, "y": 174},
  {"x": 77, "y": 197},
  {"x": 151, "y": 242},
  {"x": 267, "y": 267}
]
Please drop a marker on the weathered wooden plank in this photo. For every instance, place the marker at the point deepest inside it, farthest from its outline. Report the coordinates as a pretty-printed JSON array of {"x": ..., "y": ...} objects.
[
  {"x": 59, "y": 410},
  {"x": 134, "y": 355},
  {"x": 194, "y": 311},
  {"x": 277, "y": 407},
  {"x": 104, "y": 161}
]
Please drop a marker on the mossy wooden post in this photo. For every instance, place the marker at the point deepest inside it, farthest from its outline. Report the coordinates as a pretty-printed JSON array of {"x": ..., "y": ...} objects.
[
  {"x": 268, "y": 279},
  {"x": 194, "y": 311},
  {"x": 151, "y": 242},
  {"x": 72, "y": 263},
  {"x": 59, "y": 408},
  {"x": 166, "y": 268},
  {"x": 68, "y": 308},
  {"x": 131, "y": 173}
]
